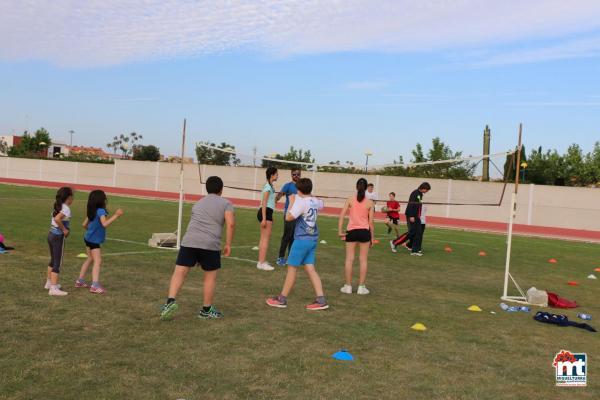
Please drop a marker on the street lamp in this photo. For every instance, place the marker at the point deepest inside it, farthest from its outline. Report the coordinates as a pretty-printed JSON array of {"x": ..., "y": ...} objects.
[
  {"x": 71, "y": 132},
  {"x": 368, "y": 154}
]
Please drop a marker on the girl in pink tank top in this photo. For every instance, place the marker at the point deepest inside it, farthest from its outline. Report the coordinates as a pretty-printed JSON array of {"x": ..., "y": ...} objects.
[
  {"x": 360, "y": 211},
  {"x": 358, "y": 215}
]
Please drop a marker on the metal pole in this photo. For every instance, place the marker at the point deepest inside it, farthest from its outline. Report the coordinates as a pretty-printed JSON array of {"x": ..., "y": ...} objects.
[
  {"x": 511, "y": 218},
  {"x": 180, "y": 215}
]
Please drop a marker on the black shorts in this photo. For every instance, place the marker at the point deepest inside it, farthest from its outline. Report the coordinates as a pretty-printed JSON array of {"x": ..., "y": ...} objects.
[
  {"x": 394, "y": 220},
  {"x": 91, "y": 245},
  {"x": 269, "y": 214},
  {"x": 209, "y": 260},
  {"x": 358, "y": 235}
]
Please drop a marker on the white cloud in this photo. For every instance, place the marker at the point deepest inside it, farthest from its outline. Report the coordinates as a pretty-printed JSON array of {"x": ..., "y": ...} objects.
[
  {"x": 579, "y": 48},
  {"x": 107, "y": 32}
]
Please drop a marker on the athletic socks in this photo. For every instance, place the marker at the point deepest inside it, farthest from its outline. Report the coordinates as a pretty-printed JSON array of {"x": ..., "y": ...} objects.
[
  {"x": 282, "y": 299},
  {"x": 170, "y": 300},
  {"x": 206, "y": 308},
  {"x": 321, "y": 300},
  {"x": 95, "y": 284}
]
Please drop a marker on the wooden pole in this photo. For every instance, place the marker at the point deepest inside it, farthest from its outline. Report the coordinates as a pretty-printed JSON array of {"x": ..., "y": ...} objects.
[{"x": 519, "y": 148}]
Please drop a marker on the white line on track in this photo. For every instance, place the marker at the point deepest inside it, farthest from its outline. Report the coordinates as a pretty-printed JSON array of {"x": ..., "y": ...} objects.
[
  {"x": 239, "y": 259},
  {"x": 127, "y": 241}
]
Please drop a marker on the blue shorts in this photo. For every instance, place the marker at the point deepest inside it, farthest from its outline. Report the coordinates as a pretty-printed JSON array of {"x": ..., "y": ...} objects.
[{"x": 303, "y": 252}]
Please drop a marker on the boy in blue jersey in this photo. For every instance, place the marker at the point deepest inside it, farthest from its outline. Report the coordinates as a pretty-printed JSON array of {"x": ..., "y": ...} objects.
[
  {"x": 303, "y": 252},
  {"x": 288, "y": 190}
]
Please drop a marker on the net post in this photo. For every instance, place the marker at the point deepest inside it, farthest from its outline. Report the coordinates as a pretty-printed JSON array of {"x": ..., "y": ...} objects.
[
  {"x": 180, "y": 212},
  {"x": 511, "y": 218}
]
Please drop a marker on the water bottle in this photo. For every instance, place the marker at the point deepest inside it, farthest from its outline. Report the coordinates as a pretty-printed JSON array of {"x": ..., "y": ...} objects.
[
  {"x": 507, "y": 308},
  {"x": 586, "y": 317},
  {"x": 524, "y": 309}
]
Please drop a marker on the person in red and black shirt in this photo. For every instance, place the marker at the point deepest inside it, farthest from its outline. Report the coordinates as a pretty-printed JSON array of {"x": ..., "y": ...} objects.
[
  {"x": 413, "y": 219},
  {"x": 393, "y": 214}
]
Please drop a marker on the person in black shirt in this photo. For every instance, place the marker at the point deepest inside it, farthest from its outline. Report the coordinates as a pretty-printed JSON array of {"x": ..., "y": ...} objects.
[{"x": 413, "y": 220}]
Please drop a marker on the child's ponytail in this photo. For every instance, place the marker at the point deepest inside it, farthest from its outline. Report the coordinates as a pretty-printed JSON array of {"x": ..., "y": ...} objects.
[
  {"x": 61, "y": 197},
  {"x": 361, "y": 188}
]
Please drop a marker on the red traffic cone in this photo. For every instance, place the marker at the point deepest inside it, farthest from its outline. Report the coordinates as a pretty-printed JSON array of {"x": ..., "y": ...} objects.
[
  {"x": 572, "y": 283},
  {"x": 552, "y": 261},
  {"x": 448, "y": 249},
  {"x": 482, "y": 254}
]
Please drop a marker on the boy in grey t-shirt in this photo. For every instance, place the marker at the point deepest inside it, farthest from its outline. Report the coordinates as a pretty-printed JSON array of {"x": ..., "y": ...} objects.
[{"x": 202, "y": 245}]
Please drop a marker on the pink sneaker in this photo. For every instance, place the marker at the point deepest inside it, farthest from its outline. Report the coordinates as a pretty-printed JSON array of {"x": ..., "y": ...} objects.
[
  {"x": 314, "y": 306},
  {"x": 97, "y": 290},
  {"x": 274, "y": 302},
  {"x": 81, "y": 284}
]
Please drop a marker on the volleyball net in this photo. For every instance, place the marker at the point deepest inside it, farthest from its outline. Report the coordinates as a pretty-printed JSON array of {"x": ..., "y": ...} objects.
[{"x": 453, "y": 180}]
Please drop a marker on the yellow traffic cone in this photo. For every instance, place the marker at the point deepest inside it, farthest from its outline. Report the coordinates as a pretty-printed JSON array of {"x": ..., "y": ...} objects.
[{"x": 419, "y": 327}]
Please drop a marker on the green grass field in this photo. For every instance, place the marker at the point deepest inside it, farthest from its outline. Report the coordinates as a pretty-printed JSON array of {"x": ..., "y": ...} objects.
[{"x": 115, "y": 347}]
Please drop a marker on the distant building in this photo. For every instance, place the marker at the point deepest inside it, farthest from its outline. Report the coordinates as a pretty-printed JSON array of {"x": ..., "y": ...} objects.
[
  {"x": 93, "y": 152},
  {"x": 10, "y": 140},
  {"x": 177, "y": 159},
  {"x": 58, "y": 149}
]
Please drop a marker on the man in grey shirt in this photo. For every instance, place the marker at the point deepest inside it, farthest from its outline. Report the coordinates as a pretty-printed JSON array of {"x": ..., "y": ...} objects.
[{"x": 202, "y": 245}]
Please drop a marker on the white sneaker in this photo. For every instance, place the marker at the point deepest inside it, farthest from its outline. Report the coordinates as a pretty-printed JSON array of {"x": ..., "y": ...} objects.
[
  {"x": 346, "y": 289},
  {"x": 48, "y": 284},
  {"x": 265, "y": 266},
  {"x": 418, "y": 254},
  {"x": 362, "y": 289},
  {"x": 55, "y": 291},
  {"x": 393, "y": 247}
]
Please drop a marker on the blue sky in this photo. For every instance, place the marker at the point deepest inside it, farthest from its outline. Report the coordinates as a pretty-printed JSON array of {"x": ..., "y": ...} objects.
[{"x": 335, "y": 79}]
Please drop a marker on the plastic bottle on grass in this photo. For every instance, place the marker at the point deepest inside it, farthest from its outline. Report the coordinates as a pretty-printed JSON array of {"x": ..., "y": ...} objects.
[
  {"x": 586, "y": 317},
  {"x": 508, "y": 308}
]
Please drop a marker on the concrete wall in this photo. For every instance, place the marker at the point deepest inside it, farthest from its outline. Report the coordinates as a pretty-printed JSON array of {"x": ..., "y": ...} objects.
[{"x": 561, "y": 207}]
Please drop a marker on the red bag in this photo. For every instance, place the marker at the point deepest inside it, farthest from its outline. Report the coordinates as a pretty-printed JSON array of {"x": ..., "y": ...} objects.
[{"x": 559, "y": 302}]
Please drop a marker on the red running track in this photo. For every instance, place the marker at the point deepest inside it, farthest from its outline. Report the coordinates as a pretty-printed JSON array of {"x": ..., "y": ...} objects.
[{"x": 452, "y": 223}]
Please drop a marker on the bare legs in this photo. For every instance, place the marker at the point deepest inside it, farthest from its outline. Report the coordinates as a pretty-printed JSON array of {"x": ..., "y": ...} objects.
[
  {"x": 95, "y": 258},
  {"x": 363, "y": 258},
  {"x": 265, "y": 237},
  {"x": 292, "y": 274},
  {"x": 178, "y": 277}
]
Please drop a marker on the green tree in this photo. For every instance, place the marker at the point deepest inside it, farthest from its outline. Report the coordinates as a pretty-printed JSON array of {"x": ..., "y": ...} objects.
[
  {"x": 3, "y": 147},
  {"x": 592, "y": 165},
  {"x": 293, "y": 154},
  {"x": 575, "y": 171},
  {"x": 337, "y": 166},
  {"x": 146, "y": 153},
  {"x": 35, "y": 145},
  {"x": 208, "y": 156},
  {"x": 126, "y": 144},
  {"x": 439, "y": 151}
]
